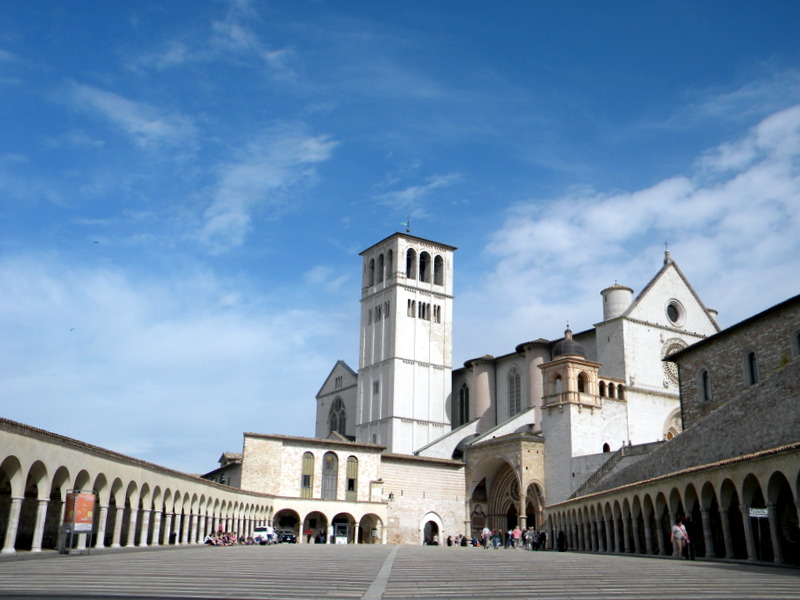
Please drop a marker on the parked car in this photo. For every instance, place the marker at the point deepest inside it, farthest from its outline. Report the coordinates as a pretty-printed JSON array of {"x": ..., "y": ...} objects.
[
  {"x": 285, "y": 536},
  {"x": 261, "y": 535}
]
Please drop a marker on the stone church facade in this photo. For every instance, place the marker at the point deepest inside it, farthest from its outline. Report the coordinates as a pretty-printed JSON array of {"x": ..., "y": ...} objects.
[
  {"x": 527, "y": 428},
  {"x": 603, "y": 436}
]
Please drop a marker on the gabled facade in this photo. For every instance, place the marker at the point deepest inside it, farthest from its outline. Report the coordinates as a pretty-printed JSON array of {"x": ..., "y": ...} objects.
[{"x": 336, "y": 403}]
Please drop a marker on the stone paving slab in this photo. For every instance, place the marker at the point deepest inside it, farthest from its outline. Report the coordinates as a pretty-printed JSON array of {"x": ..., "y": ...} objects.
[{"x": 383, "y": 572}]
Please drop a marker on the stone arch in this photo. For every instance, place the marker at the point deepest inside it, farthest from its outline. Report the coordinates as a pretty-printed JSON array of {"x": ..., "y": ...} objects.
[
  {"x": 753, "y": 497},
  {"x": 317, "y": 522},
  {"x": 731, "y": 514},
  {"x": 430, "y": 525},
  {"x": 673, "y": 425},
  {"x": 782, "y": 503},
  {"x": 370, "y": 529}
]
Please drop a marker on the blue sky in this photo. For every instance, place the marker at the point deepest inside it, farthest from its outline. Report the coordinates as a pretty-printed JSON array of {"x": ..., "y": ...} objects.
[{"x": 185, "y": 187}]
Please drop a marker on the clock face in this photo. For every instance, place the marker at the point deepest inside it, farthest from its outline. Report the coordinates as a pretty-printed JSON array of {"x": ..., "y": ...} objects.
[{"x": 670, "y": 368}]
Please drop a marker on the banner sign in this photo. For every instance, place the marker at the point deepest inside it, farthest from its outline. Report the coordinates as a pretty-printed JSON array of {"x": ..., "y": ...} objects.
[
  {"x": 759, "y": 513},
  {"x": 79, "y": 513}
]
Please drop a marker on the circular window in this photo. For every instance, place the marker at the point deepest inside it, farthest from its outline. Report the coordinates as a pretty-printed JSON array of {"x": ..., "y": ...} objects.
[
  {"x": 670, "y": 368},
  {"x": 675, "y": 312}
]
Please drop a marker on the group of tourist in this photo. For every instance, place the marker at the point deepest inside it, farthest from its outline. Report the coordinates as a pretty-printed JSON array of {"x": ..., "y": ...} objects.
[
  {"x": 516, "y": 538},
  {"x": 224, "y": 538}
]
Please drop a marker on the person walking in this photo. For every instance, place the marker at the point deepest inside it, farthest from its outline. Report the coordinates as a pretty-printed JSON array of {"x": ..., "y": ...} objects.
[{"x": 678, "y": 536}]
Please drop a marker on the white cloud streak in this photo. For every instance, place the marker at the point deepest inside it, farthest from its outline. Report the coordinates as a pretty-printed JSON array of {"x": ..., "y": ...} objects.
[
  {"x": 267, "y": 169},
  {"x": 148, "y": 357},
  {"x": 146, "y": 125},
  {"x": 733, "y": 227}
]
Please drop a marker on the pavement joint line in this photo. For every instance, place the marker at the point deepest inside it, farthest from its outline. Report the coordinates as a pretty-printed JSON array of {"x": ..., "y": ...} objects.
[{"x": 378, "y": 587}]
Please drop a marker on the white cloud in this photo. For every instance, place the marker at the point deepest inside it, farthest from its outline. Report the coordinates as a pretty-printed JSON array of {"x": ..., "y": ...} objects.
[
  {"x": 176, "y": 367},
  {"x": 733, "y": 227},
  {"x": 171, "y": 54},
  {"x": 147, "y": 125},
  {"x": 324, "y": 277},
  {"x": 278, "y": 161},
  {"x": 411, "y": 197}
]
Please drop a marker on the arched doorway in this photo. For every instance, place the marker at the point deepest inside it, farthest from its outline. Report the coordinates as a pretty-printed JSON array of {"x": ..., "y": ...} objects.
[
  {"x": 343, "y": 529},
  {"x": 431, "y": 534},
  {"x": 318, "y": 524},
  {"x": 371, "y": 530},
  {"x": 430, "y": 530}
]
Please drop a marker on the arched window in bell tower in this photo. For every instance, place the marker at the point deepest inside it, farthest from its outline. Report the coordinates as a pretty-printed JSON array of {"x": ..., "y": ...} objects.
[
  {"x": 379, "y": 269},
  {"x": 514, "y": 393},
  {"x": 438, "y": 270},
  {"x": 411, "y": 263},
  {"x": 558, "y": 385},
  {"x": 582, "y": 383},
  {"x": 389, "y": 264},
  {"x": 425, "y": 267},
  {"x": 371, "y": 273}
]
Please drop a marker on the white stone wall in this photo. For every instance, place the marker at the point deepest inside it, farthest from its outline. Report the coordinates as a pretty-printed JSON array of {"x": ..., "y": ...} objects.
[
  {"x": 273, "y": 465},
  {"x": 420, "y": 487}
]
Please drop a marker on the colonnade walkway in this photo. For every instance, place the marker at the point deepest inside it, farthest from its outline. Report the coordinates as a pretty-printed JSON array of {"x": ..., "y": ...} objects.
[{"x": 375, "y": 572}]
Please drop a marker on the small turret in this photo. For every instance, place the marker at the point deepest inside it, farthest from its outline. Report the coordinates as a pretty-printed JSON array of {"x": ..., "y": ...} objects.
[{"x": 616, "y": 300}]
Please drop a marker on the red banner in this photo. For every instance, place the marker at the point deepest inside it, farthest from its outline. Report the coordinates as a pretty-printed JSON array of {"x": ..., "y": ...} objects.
[{"x": 79, "y": 511}]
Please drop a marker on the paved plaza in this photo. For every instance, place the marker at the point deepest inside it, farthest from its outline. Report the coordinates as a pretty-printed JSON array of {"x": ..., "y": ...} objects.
[{"x": 374, "y": 572}]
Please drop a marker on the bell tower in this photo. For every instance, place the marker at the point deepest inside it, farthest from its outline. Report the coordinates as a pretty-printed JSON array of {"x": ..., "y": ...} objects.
[{"x": 406, "y": 340}]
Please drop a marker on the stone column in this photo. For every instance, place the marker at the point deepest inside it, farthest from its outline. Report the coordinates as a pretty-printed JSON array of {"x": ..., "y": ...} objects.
[
  {"x": 62, "y": 509},
  {"x": 648, "y": 535},
  {"x": 357, "y": 535},
  {"x": 522, "y": 516},
  {"x": 637, "y": 544},
  {"x": 102, "y": 519},
  {"x": 193, "y": 534},
  {"x": 674, "y": 549},
  {"x": 14, "y": 510},
  {"x": 774, "y": 533},
  {"x": 156, "y": 528},
  {"x": 586, "y": 537},
  {"x": 187, "y": 520},
  {"x": 145, "y": 533},
  {"x": 202, "y": 530},
  {"x": 38, "y": 530},
  {"x": 132, "y": 527},
  {"x": 167, "y": 528},
  {"x": 708, "y": 537},
  {"x": 748, "y": 534},
  {"x": 601, "y": 535},
  {"x": 660, "y": 538},
  {"x": 726, "y": 532},
  {"x": 176, "y": 526},
  {"x": 118, "y": 516}
]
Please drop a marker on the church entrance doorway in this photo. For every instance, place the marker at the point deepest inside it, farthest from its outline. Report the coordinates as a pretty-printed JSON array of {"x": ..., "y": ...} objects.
[{"x": 431, "y": 533}]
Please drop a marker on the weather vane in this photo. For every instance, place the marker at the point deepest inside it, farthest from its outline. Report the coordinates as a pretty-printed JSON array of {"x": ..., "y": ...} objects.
[{"x": 407, "y": 224}]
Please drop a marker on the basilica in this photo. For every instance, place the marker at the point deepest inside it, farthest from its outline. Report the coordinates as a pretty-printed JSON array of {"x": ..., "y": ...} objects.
[
  {"x": 494, "y": 441},
  {"x": 601, "y": 438}
]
